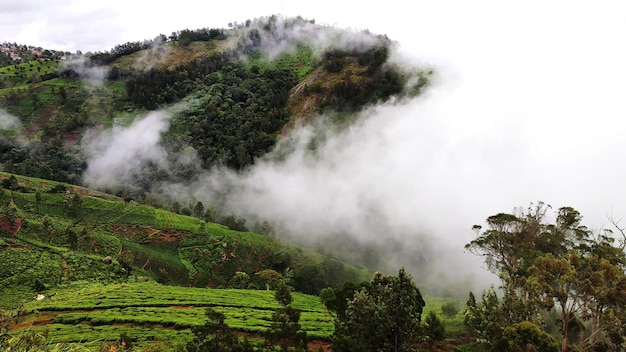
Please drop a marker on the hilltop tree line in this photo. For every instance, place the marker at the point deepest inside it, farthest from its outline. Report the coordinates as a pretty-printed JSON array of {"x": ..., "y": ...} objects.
[{"x": 183, "y": 38}]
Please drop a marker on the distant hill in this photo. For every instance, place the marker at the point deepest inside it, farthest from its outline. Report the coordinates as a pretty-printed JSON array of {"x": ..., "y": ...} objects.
[
  {"x": 242, "y": 89},
  {"x": 14, "y": 53}
]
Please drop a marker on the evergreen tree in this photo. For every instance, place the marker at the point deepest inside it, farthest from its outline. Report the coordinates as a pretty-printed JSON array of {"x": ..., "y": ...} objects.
[
  {"x": 285, "y": 329},
  {"x": 385, "y": 317},
  {"x": 433, "y": 328},
  {"x": 216, "y": 335}
]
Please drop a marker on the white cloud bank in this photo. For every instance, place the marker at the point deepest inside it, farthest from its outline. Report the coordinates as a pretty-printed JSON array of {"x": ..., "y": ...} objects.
[
  {"x": 8, "y": 121},
  {"x": 116, "y": 155}
]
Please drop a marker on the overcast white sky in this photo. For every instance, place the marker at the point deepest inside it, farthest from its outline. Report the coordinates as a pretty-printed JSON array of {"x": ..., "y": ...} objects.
[{"x": 530, "y": 102}]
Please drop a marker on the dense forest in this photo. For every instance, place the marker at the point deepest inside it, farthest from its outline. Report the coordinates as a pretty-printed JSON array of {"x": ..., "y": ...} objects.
[{"x": 234, "y": 111}]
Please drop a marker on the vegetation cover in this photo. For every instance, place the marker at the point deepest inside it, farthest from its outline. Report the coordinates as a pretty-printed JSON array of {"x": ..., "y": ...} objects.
[
  {"x": 239, "y": 88},
  {"x": 560, "y": 281},
  {"x": 52, "y": 239},
  {"x": 168, "y": 312},
  {"x": 125, "y": 267}
]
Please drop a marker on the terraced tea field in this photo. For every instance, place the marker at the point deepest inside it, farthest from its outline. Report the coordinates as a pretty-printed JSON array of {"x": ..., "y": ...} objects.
[{"x": 149, "y": 312}]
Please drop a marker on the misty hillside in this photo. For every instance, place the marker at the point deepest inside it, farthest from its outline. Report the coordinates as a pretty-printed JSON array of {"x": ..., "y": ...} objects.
[
  {"x": 228, "y": 93},
  {"x": 56, "y": 235},
  {"x": 181, "y": 119}
]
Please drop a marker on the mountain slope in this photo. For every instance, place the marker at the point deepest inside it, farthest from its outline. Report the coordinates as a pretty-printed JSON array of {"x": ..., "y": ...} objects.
[
  {"x": 241, "y": 89},
  {"x": 208, "y": 101},
  {"x": 53, "y": 235}
]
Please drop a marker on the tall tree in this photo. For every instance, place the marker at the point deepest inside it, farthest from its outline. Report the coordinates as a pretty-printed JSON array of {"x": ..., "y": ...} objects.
[
  {"x": 216, "y": 335},
  {"x": 556, "y": 278},
  {"x": 285, "y": 329},
  {"x": 544, "y": 263},
  {"x": 384, "y": 317}
]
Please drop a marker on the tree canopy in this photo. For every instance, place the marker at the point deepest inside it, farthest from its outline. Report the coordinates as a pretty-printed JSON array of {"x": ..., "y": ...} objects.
[
  {"x": 384, "y": 316},
  {"x": 549, "y": 260}
]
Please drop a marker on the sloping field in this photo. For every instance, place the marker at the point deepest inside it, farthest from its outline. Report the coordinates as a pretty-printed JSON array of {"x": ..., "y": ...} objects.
[{"x": 149, "y": 312}]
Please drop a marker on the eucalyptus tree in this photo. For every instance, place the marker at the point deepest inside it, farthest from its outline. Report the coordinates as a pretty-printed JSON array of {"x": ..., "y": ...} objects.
[{"x": 550, "y": 260}]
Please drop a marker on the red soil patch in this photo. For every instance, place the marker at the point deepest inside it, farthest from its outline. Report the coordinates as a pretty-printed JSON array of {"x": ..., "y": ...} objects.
[
  {"x": 152, "y": 232},
  {"x": 71, "y": 138},
  {"x": 28, "y": 324},
  {"x": 143, "y": 234},
  {"x": 17, "y": 246},
  {"x": 82, "y": 191},
  {"x": 166, "y": 235},
  {"x": 313, "y": 345},
  {"x": 316, "y": 344},
  {"x": 8, "y": 227},
  {"x": 29, "y": 320}
]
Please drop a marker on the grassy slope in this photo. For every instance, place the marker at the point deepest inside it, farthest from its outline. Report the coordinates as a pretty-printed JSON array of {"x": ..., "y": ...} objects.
[
  {"x": 103, "y": 311},
  {"x": 23, "y": 73},
  {"x": 54, "y": 247},
  {"x": 453, "y": 325},
  {"x": 105, "y": 303},
  {"x": 170, "y": 55}
]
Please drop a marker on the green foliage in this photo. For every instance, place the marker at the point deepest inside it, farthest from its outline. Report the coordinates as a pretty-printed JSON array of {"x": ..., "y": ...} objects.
[
  {"x": 28, "y": 72},
  {"x": 103, "y": 312},
  {"x": 301, "y": 60},
  {"x": 215, "y": 335},
  {"x": 237, "y": 115},
  {"x": 525, "y": 337},
  {"x": 9, "y": 213},
  {"x": 41, "y": 160},
  {"x": 11, "y": 183},
  {"x": 338, "y": 303},
  {"x": 282, "y": 294},
  {"x": 285, "y": 329},
  {"x": 73, "y": 204},
  {"x": 485, "y": 319},
  {"x": 234, "y": 111},
  {"x": 327, "y": 294},
  {"x": 6, "y": 318},
  {"x": 433, "y": 328},
  {"x": 240, "y": 280},
  {"x": 385, "y": 317},
  {"x": 544, "y": 262},
  {"x": 269, "y": 278},
  {"x": 450, "y": 309},
  {"x": 170, "y": 248},
  {"x": 26, "y": 341}
]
